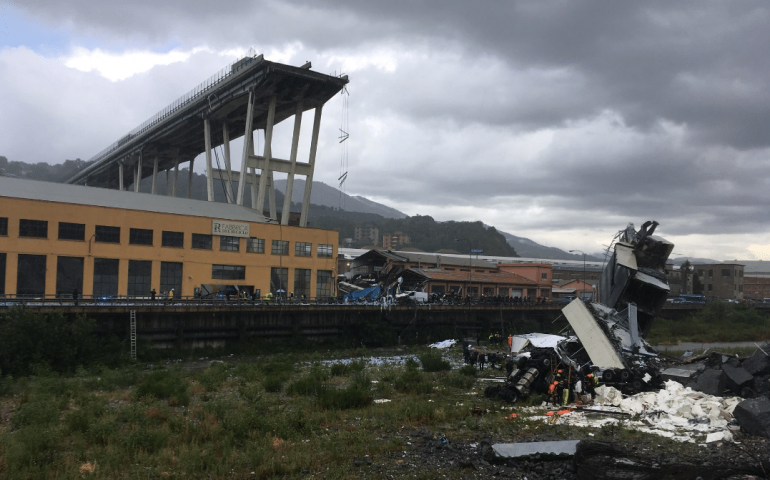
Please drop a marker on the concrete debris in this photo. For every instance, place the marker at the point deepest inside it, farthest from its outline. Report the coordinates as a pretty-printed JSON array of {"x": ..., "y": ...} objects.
[
  {"x": 527, "y": 449},
  {"x": 680, "y": 375},
  {"x": 711, "y": 381},
  {"x": 674, "y": 412},
  {"x": 757, "y": 364},
  {"x": 753, "y": 416},
  {"x": 737, "y": 377}
]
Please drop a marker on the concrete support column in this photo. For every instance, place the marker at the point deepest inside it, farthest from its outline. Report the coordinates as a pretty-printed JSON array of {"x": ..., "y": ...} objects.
[
  {"x": 138, "y": 174},
  {"x": 311, "y": 162},
  {"x": 155, "y": 176},
  {"x": 176, "y": 177},
  {"x": 209, "y": 176},
  {"x": 189, "y": 178},
  {"x": 253, "y": 172},
  {"x": 247, "y": 134},
  {"x": 293, "y": 160},
  {"x": 120, "y": 176},
  {"x": 267, "y": 154},
  {"x": 226, "y": 144}
]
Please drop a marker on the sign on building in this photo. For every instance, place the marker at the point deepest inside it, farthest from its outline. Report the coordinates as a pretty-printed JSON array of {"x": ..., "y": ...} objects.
[
  {"x": 229, "y": 229},
  {"x": 477, "y": 250}
]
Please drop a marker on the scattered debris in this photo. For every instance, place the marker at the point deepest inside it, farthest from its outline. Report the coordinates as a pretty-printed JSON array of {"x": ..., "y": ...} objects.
[{"x": 519, "y": 450}]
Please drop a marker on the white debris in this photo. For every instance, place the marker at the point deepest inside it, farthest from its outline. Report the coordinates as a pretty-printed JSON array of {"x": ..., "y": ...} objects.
[
  {"x": 381, "y": 400},
  {"x": 675, "y": 412},
  {"x": 444, "y": 344}
]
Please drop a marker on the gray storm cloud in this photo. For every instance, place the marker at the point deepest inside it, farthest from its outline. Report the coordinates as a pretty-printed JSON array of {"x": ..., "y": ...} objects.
[{"x": 621, "y": 109}]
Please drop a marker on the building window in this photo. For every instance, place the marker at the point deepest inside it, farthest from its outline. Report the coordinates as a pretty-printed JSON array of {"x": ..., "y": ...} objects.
[
  {"x": 30, "y": 275},
  {"x": 740, "y": 273},
  {"x": 324, "y": 283},
  {"x": 725, "y": 272},
  {"x": 711, "y": 273},
  {"x": 700, "y": 273},
  {"x": 69, "y": 276},
  {"x": 325, "y": 250},
  {"x": 279, "y": 279},
  {"x": 454, "y": 288},
  {"x": 228, "y": 272},
  {"x": 303, "y": 249},
  {"x": 172, "y": 239},
  {"x": 140, "y": 236},
  {"x": 503, "y": 291},
  {"x": 448, "y": 269},
  {"x": 280, "y": 247},
  {"x": 171, "y": 277},
  {"x": 33, "y": 228},
  {"x": 229, "y": 244},
  {"x": 710, "y": 287},
  {"x": 489, "y": 291},
  {"x": 72, "y": 231},
  {"x": 437, "y": 289},
  {"x": 105, "y": 277},
  {"x": 201, "y": 241},
  {"x": 544, "y": 276},
  {"x": 301, "y": 282},
  {"x": 473, "y": 291},
  {"x": 139, "y": 277},
  {"x": 255, "y": 245},
  {"x": 106, "y": 234},
  {"x": 3, "y": 226}
]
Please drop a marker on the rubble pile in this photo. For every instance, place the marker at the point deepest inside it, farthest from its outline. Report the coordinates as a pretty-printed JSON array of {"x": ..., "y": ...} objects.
[{"x": 698, "y": 395}]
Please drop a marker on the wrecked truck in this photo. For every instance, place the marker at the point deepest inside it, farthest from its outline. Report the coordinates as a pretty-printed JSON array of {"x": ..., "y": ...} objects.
[{"x": 608, "y": 336}]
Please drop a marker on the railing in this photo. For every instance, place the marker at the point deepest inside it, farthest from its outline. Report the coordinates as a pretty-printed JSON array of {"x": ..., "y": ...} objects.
[
  {"x": 180, "y": 103},
  {"x": 10, "y": 300},
  {"x": 238, "y": 302}
]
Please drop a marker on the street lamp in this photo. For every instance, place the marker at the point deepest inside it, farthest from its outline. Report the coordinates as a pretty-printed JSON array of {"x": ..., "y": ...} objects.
[
  {"x": 470, "y": 266},
  {"x": 584, "y": 269}
]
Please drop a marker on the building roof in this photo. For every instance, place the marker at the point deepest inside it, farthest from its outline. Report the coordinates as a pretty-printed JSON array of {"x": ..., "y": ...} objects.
[
  {"x": 103, "y": 197},
  {"x": 436, "y": 274}
]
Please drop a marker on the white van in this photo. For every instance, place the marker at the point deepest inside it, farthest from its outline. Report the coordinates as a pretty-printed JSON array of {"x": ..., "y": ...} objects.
[{"x": 412, "y": 296}]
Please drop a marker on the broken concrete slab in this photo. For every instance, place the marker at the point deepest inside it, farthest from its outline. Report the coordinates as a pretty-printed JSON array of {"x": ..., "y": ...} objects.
[
  {"x": 680, "y": 375},
  {"x": 711, "y": 382},
  {"x": 757, "y": 364},
  {"x": 753, "y": 416},
  {"x": 527, "y": 449},
  {"x": 736, "y": 377}
]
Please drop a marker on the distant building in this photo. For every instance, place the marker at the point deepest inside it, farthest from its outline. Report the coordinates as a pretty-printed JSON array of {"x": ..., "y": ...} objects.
[
  {"x": 371, "y": 234},
  {"x": 679, "y": 284},
  {"x": 442, "y": 274},
  {"x": 566, "y": 273},
  {"x": 394, "y": 241},
  {"x": 721, "y": 281}
]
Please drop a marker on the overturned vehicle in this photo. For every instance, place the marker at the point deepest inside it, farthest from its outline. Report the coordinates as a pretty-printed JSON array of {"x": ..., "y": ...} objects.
[{"x": 608, "y": 342}]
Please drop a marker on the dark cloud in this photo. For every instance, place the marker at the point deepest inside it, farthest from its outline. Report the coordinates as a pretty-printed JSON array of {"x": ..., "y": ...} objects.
[{"x": 557, "y": 110}]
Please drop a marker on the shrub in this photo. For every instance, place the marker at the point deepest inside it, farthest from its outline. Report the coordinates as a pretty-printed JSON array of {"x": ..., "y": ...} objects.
[
  {"x": 165, "y": 384},
  {"x": 273, "y": 383},
  {"x": 41, "y": 412},
  {"x": 468, "y": 370},
  {"x": 459, "y": 380},
  {"x": 433, "y": 361},
  {"x": 214, "y": 376},
  {"x": 28, "y": 338}
]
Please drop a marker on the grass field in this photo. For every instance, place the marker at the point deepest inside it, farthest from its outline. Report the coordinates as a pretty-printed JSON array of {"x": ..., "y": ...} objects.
[{"x": 258, "y": 417}]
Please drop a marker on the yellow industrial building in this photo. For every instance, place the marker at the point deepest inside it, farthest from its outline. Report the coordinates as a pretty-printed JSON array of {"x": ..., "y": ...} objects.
[{"x": 58, "y": 239}]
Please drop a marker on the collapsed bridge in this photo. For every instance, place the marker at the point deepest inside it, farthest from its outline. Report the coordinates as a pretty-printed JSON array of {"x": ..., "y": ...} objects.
[{"x": 247, "y": 95}]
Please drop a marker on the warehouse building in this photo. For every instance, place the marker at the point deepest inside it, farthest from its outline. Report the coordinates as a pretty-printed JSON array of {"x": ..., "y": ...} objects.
[{"x": 57, "y": 239}]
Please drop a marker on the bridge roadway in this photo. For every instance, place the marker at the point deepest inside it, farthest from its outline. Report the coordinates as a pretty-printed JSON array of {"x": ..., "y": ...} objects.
[{"x": 191, "y": 323}]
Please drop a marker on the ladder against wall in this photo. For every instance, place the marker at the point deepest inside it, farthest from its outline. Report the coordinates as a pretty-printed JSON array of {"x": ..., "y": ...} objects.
[{"x": 133, "y": 334}]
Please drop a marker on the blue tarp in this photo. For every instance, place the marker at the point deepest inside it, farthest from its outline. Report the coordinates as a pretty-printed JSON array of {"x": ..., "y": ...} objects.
[{"x": 370, "y": 293}]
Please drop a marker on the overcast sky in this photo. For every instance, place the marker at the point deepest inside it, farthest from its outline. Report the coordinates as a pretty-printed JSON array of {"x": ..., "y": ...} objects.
[{"x": 560, "y": 121}]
